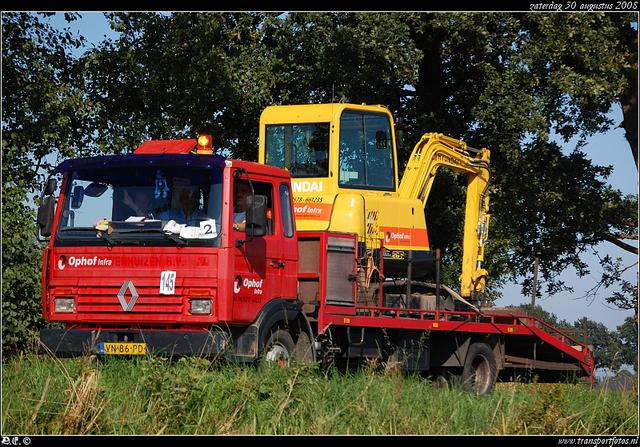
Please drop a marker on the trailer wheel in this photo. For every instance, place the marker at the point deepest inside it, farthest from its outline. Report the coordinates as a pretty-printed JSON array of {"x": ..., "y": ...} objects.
[
  {"x": 278, "y": 349},
  {"x": 480, "y": 370}
]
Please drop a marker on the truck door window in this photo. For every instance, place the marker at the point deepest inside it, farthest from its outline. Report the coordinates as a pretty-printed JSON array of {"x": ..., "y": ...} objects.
[
  {"x": 302, "y": 149},
  {"x": 260, "y": 188},
  {"x": 266, "y": 189},
  {"x": 366, "y": 151},
  {"x": 287, "y": 213}
]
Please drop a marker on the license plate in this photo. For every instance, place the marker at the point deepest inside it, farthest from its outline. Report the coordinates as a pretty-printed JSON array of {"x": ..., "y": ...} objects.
[{"x": 123, "y": 348}]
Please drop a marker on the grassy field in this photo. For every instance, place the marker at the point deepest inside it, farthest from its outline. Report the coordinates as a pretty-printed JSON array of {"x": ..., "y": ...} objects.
[{"x": 145, "y": 395}]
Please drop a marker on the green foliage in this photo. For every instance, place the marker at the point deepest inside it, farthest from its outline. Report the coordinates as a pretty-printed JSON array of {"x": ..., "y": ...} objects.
[
  {"x": 544, "y": 413},
  {"x": 508, "y": 82},
  {"x": 556, "y": 216},
  {"x": 173, "y": 76},
  {"x": 42, "y": 111},
  {"x": 365, "y": 57},
  {"x": 499, "y": 76},
  {"x": 626, "y": 295},
  {"x": 628, "y": 336}
]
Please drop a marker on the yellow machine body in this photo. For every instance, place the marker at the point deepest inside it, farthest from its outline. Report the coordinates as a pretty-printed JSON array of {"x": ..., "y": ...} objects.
[{"x": 343, "y": 162}]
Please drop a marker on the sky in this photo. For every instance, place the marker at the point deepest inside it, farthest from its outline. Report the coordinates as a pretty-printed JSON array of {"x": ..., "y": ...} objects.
[{"x": 605, "y": 149}]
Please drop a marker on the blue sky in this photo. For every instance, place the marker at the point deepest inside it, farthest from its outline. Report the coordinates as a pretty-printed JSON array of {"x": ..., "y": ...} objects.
[{"x": 610, "y": 148}]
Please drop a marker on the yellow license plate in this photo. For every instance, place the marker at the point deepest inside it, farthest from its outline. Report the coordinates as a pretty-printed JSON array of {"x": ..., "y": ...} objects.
[{"x": 123, "y": 348}]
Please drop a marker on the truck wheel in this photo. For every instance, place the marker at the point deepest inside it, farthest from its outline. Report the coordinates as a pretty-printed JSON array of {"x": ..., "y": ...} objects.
[
  {"x": 480, "y": 370},
  {"x": 278, "y": 349}
]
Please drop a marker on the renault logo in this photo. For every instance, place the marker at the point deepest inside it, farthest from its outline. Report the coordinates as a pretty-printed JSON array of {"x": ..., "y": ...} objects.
[{"x": 128, "y": 285}]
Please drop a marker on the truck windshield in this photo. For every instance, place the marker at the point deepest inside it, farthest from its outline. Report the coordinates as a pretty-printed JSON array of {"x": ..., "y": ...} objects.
[{"x": 142, "y": 205}]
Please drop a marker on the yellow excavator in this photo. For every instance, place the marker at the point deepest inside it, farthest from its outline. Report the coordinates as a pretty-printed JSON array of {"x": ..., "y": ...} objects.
[{"x": 343, "y": 161}]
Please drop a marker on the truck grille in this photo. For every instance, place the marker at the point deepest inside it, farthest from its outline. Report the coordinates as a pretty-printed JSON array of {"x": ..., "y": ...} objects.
[{"x": 104, "y": 303}]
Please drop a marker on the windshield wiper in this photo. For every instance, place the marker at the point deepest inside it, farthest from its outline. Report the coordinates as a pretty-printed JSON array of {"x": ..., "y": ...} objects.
[
  {"x": 137, "y": 228},
  {"x": 110, "y": 242},
  {"x": 100, "y": 233},
  {"x": 180, "y": 242}
]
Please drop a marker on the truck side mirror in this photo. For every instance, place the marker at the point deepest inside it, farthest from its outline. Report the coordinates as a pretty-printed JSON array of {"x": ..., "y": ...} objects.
[
  {"x": 45, "y": 216},
  {"x": 256, "y": 215},
  {"x": 47, "y": 209},
  {"x": 50, "y": 187}
]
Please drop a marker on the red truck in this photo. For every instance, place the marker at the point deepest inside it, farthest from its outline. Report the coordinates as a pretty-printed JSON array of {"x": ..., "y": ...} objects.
[{"x": 175, "y": 250}]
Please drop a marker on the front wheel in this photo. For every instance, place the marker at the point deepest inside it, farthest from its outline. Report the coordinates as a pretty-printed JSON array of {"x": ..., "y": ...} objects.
[
  {"x": 278, "y": 349},
  {"x": 480, "y": 370}
]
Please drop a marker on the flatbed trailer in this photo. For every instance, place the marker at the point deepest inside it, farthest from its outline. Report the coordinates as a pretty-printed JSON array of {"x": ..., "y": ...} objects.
[{"x": 448, "y": 343}]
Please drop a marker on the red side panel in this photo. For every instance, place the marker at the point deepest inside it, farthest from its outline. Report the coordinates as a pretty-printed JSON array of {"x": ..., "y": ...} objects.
[{"x": 166, "y": 147}]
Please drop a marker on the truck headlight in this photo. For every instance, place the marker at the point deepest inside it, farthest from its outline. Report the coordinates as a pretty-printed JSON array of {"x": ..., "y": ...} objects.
[
  {"x": 201, "y": 306},
  {"x": 64, "y": 305}
]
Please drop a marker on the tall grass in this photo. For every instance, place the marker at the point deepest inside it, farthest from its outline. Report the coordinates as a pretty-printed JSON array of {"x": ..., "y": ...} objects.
[{"x": 153, "y": 395}]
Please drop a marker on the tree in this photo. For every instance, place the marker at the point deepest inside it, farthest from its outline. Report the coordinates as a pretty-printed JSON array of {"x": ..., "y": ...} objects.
[
  {"x": 629, "y": 97},
  {"x": 42, "y": 113},
  {"x": 173, "y": 76},
  {"x": 628, "y": 336},
  {"x": 509, "y": 82},
  {"x": 364, "y": 57}
]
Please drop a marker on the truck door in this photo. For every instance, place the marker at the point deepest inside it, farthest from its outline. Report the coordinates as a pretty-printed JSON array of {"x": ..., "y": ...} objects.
[
  {"x": 259, "y": 263},
  {"x": 289, "y": 242}
]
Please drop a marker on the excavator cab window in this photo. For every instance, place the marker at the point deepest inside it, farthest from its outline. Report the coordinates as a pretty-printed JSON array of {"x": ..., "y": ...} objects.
[
  {"x": 366, "y": 151},
  {"x": 302, "y": 149}
]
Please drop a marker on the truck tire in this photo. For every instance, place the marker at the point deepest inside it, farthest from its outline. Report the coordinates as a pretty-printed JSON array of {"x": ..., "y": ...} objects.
[
  {"x": 278, "y": 349},
  {"x": 480, "y": 371}
]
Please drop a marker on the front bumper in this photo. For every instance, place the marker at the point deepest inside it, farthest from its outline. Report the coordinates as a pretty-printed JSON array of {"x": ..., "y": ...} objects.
[{"x": 87, "y": 341}]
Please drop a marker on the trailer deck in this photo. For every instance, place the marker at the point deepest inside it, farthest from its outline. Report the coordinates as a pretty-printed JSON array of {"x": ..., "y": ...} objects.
[
  {"x": 329, "y": 288},
  {"x": 529, "y": 343}
]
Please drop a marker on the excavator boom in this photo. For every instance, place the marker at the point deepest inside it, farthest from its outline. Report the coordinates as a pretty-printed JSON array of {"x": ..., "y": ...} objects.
[{"x": 434, "y": 151}]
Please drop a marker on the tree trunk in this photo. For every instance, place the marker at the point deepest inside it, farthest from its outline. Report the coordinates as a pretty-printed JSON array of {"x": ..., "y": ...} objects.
[
  {"x": 629, "y": 102},
  {"x": 629, "y": 98}
]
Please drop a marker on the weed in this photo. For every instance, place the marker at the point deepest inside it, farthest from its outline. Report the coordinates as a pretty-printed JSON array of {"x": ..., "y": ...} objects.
[{"x": 545, "y": 411}]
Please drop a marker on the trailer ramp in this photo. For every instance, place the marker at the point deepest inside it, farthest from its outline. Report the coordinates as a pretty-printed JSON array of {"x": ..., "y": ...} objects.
[{"x": 537, "y": 347}]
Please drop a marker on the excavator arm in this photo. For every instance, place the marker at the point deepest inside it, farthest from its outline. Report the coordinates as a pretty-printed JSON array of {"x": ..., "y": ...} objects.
[{"x": 432, "y": 152}]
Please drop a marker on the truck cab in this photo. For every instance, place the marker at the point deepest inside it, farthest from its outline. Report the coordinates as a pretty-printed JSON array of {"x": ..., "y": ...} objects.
[{"x": 144, "y": 248}]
